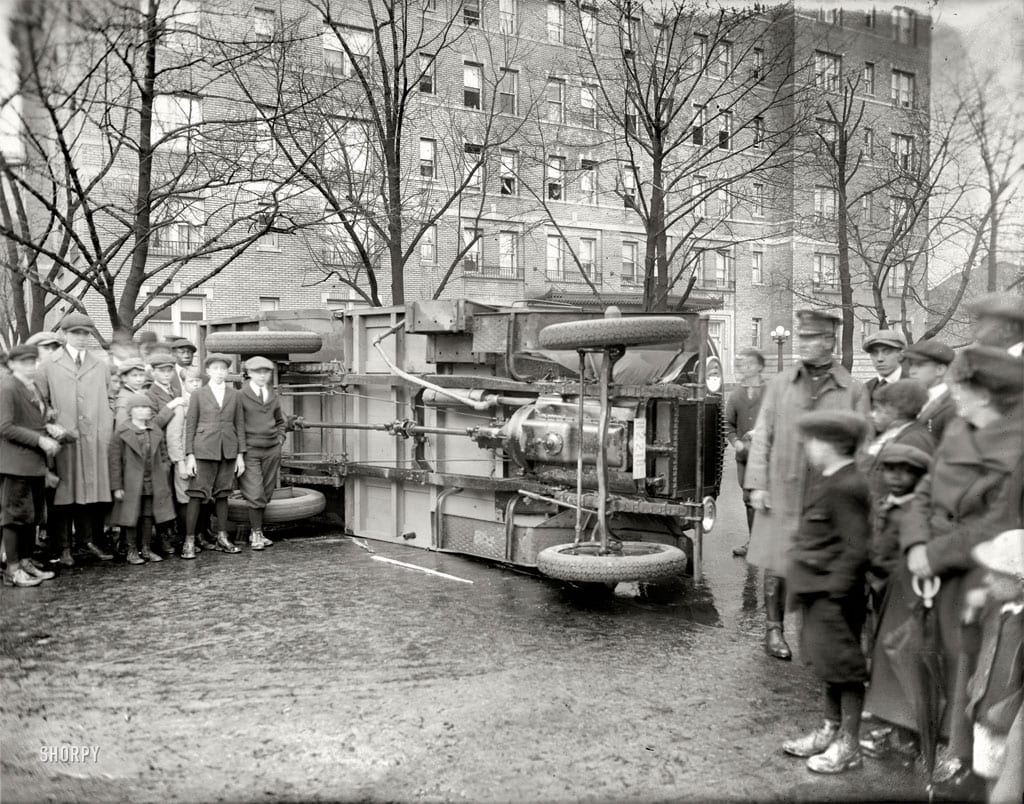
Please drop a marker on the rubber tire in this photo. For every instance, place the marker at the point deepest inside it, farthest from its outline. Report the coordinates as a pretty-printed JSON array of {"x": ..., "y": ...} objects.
[
  {"x": 598, "y": 332},
  {"x": 641, "y": 561},
  {"x": 289, "y": 504},
  {"x": 264, "y": 342}
]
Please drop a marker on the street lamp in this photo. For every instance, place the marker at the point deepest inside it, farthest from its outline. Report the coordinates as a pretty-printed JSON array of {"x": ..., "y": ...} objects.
[{"x": 780, "y": 335}]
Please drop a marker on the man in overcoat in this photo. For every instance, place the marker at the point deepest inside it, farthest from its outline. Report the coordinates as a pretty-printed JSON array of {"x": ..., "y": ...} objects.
[
  {"x": 777, "y": 469},
  {"x": 927, "y": 362},
  {"x": 74, "y": 381}
]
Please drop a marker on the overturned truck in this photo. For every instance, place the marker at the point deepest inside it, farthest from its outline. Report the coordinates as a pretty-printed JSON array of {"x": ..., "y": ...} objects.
[{"x": 585, "y": 445}]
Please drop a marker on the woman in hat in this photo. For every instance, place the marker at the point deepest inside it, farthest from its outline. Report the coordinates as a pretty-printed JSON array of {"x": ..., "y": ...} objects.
[
  {"x": 960, "y": 503},
  {"x": 215, "y": 450}
]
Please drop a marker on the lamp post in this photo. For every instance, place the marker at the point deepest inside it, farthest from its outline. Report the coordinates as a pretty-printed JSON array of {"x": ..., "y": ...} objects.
[{"x": 780, "y": 335}]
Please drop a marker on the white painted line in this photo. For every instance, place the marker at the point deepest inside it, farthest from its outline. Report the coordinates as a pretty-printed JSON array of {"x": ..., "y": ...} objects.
[{"x": 421, "y": 569}]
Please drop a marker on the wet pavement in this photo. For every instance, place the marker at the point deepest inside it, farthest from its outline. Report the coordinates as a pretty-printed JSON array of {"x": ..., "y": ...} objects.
[{"x": 312, "y": 671}]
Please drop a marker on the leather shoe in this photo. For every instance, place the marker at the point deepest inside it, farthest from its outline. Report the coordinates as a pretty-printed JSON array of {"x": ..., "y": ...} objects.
[
  {"x": 133, "y": 557},
  {"x": 842, "y": 755},
  {"x": 33, "y": 571},
  {"x": 66, "y": 559},
  {"x": 266, "y": 541},
  {"x": 775, "y": 643},
  {"x": 814, "y": 743},
  {"x": 188, "y": 550},
  {"x": 886, "y": 742},
  {"x": 225, "y": 545},
  {"x": 92, "y": 548},
  {"x": 963, "y": 785},
  {"x": 202, "y": 543},
  {"x": 256, "y": 540},
  {"x": 20, "y": 578}
]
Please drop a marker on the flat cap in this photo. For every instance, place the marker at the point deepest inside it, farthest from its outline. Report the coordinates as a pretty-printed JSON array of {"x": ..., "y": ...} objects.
[
  {"x": 990, "y": 367},
  {"x": 815, "y": 322},
  {"x": 218, "y": 357},
  {"x": 999, "y": 305},
  {"x": 157, "y": 359},
  {"x": 885, "y": 337},
  {"x": 258, "y": 362},
  {"x": 139, "y": 400},
  {"x": 76, "y": 321},
  {"x": 182, "y": 343},
  {"x": 131, "y": 365},
  {"x": 47, "y": 338},
  {"x": 833, "y": 425},
  {"x": 24, "y": 351},
  {"x": 904, "y": 453},
  {"x": 1003, "y": 553},
  {"x": 935, "y": 351}
]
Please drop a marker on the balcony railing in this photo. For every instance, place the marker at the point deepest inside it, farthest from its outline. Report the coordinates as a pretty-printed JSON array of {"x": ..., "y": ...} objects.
[
  {"x": 715, "y": 283},
  {"x": 172, "y": 248},
  {"x": 572, "y": 275},
  {"x": 825, "y": 286},
  {"x": 475, "y": 270}
]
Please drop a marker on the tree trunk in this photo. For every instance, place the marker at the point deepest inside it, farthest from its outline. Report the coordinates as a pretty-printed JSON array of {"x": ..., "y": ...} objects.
[
  {"x": 654, "y": 259},
  {"x": 993, "y": 253},
  {"x": 845, "y": 283}
]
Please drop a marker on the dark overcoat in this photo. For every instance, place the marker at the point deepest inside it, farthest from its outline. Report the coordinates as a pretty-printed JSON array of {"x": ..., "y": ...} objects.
[
  {"x": 214, "y": 432},
  {"x": 22, "y": 424},
  {"x": 915, "y": 434},
  {"x": 79, "y": 397},
  {"x": 937, "y": 414},
  {"x": 972, "y": 493},
  {"x": 127, "y": 468}
]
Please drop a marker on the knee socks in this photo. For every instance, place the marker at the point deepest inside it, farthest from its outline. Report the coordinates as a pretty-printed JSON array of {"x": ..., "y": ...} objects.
[
  {"x": 256, "y": 518},
  {"x": 843, "y": 704}
]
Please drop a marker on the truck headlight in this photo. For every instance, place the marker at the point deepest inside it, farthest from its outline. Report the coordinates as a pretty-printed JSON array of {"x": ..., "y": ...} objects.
[
  {"x": 710, "y": 507},
  {"x": 713, "y": 375}
]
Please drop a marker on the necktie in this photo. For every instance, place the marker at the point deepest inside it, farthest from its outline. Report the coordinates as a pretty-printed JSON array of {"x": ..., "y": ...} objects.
[
  {"x": 882, "y": 382},
  {"x": 263, "y": 396},
  {"x": 78, "y": 360}
]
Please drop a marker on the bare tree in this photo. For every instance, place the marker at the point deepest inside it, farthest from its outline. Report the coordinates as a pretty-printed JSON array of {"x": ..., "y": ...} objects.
[{"x": 135, "y": 167}]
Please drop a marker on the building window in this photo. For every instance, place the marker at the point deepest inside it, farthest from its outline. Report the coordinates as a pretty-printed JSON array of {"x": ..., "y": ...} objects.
[
  {"x": 472, "y": 242},
  {"x": 757, "y": 64},
  {"x": 337, "y": 60},
  {"x": 629, "y": 188},
  {"x": 428, "y": 246},
  {"x": 588, "y": 256},
  {"x": 428, "y": 159},
  {"x": 898, "y": 278},
  {"x": 556, "y": 21},
  {"x": 588, "y": 105},
  {"x": 869, "y": 78},
  {"x": 721, "y": 66},
  {"x": 902, "y": 90},
  {"x": 346, "y": 149},
  {"x": 825, "y": 203},
  {"x": 428, "y": 85},
  {"x": 903, "y": 26},
  {"x": 508, "y": 254},
  {"x": 629, "y": 30},
  {"x": 177, "y": 120},
  {"x": 717, "y": 271},
  {"x": 263, "y": 134},
  {"x": 471, "y": 12},
  {"x": 182, "y": 25},
  {"x": 698, "y": 53},
  {"x": 867, "y": 208},
  {"x": 555, "y": 257},
  {"x": 473, "y": 165},
  {"x": 727, "y": 202},
  {"x": 697, "y": 127},
  {"x": 631, "y": 124},
  {"x": 629, "y": 263},
  {"x": 869, "y": 142},
  {"x": 556, "y": 178},
  {"x": 699, "y": 196},
  {"x": 588, "y": 181},
  {"x": 900, "y": 213},
  {"x": 179, "y": 319},
  {"x": 755, "y": 332},
  {"x": 507, "y": 16},
  {"x": 725, "y": 131},
  {"x": 509, "y": 172},
  {"x": 757, "y": 128},
  {"x": 826, "y": 271},
  {"x": 471, "y": 83},
  {"x": 588, "y": 24},
  {"x": 827, "y": 70},
  {"x": 554, "y": 94},
  {"x": 264, "y": 20},
  {"x": 828, "y": 134},
  {"x": 269, "y": 242},
  {"x": 429, "y": 6},
  {"x": 179, "y": 227},
  {"x": 902, "y": 147},
  {"x": 269, "y": 303},
  {"x": 757, "y": 201},
  {"x": 757, "y": 267},
  {"x": 508, "y": 91}
]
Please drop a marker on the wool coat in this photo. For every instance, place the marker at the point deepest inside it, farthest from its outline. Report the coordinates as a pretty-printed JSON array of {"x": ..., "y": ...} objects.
[
  {"x": 777, "y": 462},
  {"x": 264, "y": 421},
  {"x": 22, "y": 424},
  {"x": 127, "y": 467},
  {"x": 937, "y": 414},
  {"x": 79, "y": 397},
  {"x": 972, "y": 493},
  {"x": 214, "y": 432},
  {"x": 914, "y": 434}
]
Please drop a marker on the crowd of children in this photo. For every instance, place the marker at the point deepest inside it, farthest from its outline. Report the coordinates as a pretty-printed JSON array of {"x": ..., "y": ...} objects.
[{"x": 136, "y": 474}]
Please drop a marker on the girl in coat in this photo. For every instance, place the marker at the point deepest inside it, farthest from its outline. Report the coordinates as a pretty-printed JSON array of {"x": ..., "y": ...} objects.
[
  {"x": 894, "y": 410},
  {"x": 140, "y": 477}
]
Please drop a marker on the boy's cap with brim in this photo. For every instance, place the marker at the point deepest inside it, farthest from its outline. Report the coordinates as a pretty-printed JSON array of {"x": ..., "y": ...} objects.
[
  {"x": 254, "y": 363},
  {"x": 77, "y": 321},
  {"x": 47, "y": 339},
  {"x": 158, "y": 359},
  {"x": 1004, "y": 553},
  {"x": 885, "y": 337},
  {"x": 935, "y": 351},
  {"x": 130, "y": 365},
  {"x": 895, "y": 454},
  {"x": 217, "y": 357},
  {"x": 833, "y": 425},
  {"x": 182, "y": 343},
  {"x": 990, "y": 367},
  {"x": 25, "y": 351},
  {"x": 999, "y": 305}
]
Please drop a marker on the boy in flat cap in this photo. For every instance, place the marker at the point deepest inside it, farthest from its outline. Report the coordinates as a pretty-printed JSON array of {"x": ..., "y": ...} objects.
[
  {"x": 171, "y": 407},
  {"x": 829, "y": 559},
  {"x": 894, "y": 411},
  {"x": 140, "y": 476},
  {"x": 133, "y": 381},
  {"x": 777, "y": 470},
  {"x": 215, "y": 450},
  {"x": 927, "y": 362},
  {"x": 264, "y": 435},
  {"x": 999, "y": 321},
  {"x": 886, "y": 349},
  {"x": 74, "y": 382},
  {"x": 184, "y": 352},
  {"x": 27, "y": 444},
  {"x": 48, "y": 342}
]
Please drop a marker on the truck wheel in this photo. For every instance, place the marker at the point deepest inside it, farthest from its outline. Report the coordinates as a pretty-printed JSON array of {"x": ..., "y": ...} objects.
[
  {"x": 264, "y": 342},
  {"x": 638, "y": 561},
  {"x": 598, "y": 332},
  {"x": 288, "y": 504}
]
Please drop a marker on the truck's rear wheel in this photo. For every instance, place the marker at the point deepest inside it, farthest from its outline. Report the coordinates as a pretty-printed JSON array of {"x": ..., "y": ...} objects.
[
  {"x": 638, "y": 561},
  {"x": 599, "y": 332},
  {"x": 289, "y": 504}
]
